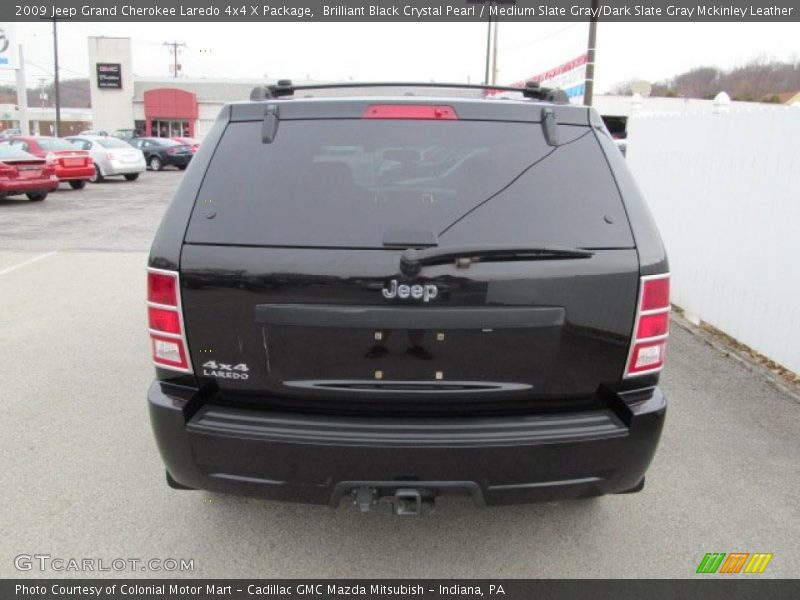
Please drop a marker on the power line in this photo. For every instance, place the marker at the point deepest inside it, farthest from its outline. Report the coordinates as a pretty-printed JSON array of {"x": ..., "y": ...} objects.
[
  {"x": 49, "y": 72},
  {"x": 544, "y": 37}
]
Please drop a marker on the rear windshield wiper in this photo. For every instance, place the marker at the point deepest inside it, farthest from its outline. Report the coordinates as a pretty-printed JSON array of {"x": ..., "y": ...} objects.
[{"x": 412, "y": 260}]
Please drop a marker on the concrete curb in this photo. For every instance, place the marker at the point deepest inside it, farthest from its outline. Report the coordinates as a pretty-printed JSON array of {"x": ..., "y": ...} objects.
[{"x": 739, "y": 356}]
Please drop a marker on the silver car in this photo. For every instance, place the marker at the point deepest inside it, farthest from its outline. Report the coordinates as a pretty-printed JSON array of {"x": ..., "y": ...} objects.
[
  {"x": 111, "y": 156},
  {"x": 7, "y": 133}
]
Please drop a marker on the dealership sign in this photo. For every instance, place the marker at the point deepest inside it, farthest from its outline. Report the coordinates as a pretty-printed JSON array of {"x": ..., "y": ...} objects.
[
  {"x": 109, "y": 75},
  {"x": 569, "y": 76},
  {"x": 9, "y": 57}
]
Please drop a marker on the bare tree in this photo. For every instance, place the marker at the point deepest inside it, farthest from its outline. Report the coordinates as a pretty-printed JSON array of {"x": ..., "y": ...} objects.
[{"x": 762, "y": 79}]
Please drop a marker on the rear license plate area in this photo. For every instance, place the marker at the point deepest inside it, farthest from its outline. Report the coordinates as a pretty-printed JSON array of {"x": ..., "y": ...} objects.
[{"x": 413, "y": 355}]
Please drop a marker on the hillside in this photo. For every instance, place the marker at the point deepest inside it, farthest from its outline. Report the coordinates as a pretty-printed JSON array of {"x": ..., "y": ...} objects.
[{"x": 74, "y": 94}]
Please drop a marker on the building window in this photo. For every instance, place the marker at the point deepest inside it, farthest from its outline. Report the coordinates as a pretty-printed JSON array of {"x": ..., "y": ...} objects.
[{"x": 169, "y": 128}]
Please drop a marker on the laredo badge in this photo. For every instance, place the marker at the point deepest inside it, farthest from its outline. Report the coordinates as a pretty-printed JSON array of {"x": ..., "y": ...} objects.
[{"x": 212, "y": 368}]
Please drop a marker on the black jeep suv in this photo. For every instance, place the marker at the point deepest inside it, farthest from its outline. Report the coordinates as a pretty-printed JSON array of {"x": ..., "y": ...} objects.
[{"x": 396, "y": 295}]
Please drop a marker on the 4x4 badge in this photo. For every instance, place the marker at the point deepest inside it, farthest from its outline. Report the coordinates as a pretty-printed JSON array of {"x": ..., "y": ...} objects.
[
  {"x": 212, "y": 368},
  {"x": 426, "y": 292}
]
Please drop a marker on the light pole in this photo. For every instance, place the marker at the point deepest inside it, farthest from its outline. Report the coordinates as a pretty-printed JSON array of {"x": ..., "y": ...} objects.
[{"x": 56, "y": 93}]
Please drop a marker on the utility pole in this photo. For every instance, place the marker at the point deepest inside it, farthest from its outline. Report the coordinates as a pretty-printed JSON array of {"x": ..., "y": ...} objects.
[
  {"x": 488, "y": 48},
  {"x": 174, "y": 50},
  {"x": 590, "y": 51},
  {"x": 490, "y": 74},
  {"x": 55, "y": 78},
  {"x": 42, "y": 93},
  {"x": 22, "y": 96},
  {"x": 494, "y": 55}
]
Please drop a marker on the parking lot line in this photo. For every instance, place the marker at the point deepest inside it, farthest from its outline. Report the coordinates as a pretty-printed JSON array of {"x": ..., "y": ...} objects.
[{"x": 27, "y": 262}]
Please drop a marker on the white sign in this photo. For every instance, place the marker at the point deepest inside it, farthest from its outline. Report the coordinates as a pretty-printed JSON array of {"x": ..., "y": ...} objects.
[{"x": 9, "y": 56}]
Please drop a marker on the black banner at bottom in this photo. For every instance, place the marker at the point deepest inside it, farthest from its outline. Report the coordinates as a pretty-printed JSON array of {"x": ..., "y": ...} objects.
[{"x": 431, "y": 589}]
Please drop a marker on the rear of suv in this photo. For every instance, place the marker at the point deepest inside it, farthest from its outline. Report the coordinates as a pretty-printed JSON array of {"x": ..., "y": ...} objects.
[{"x": 391, "y": 297}]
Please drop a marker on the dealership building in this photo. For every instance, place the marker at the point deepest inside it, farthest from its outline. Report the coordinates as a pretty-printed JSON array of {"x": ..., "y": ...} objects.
[{"x": 162, "y": 106}]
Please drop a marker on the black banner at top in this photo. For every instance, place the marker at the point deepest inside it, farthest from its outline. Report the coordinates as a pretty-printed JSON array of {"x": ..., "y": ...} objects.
[{"x": 401, "y": 10}]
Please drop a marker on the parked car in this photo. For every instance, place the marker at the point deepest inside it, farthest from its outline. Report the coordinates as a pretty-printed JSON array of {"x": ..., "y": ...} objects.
[
  {"x": 194, "y": 143},
  {"x": 488, "y": 317},
  {"x": 111, "y": 156},
  {"x": 7, "y": 133},
  {"x": 126, "y": 134},
  {"x": 160, "y": 152},
  {"x": 622, "y": 144},
  {"x": 71, "y": 165},
  {"x": 23, "y": 173},
  {"x": 94, "y": 132}
]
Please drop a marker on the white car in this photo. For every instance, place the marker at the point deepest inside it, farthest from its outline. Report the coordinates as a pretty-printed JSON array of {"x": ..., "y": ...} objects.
[{"x": 111, "y": 156}]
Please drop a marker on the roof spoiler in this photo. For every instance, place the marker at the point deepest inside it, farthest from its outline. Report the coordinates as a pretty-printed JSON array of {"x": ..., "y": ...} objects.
[{"x": 285, "y": 88}]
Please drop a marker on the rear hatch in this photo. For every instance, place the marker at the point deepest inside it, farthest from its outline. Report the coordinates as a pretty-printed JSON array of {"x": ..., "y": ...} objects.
[
  {"x": 63, "y": 155},
  {"x": 127, "y": 156},
  {"x": 180, "y": 150},
  {"x": 299, "y": 286},
  {"x": 70, "y": 159},
  {"x": 119, "y": 151},
  {"x": 21, "y": 168}
]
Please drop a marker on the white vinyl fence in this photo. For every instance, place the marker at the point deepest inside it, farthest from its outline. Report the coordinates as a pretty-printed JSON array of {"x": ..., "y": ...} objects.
[{"x": 725, "y": 191}]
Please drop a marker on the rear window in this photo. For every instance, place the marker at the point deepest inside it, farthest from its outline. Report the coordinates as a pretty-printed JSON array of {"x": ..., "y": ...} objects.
[
  {"x": 11, "y": 152},
  {"x": 113, "y": 143},
  {"x": 54, "y": 144},
  {"x": 344, "y": 183}
]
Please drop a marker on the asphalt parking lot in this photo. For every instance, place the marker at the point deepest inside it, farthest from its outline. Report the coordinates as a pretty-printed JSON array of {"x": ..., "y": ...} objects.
[{"x": 82, "y": 477}]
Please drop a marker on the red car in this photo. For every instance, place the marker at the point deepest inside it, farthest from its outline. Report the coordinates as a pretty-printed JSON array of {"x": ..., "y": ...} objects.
[
  {"x": 188, "y": 142},
  {"x": 71, "y": 165},
  {"x": 23, "y": 173}
]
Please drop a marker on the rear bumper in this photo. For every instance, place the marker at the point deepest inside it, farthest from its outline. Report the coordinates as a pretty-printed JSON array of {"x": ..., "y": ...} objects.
[
  {"x": 111, "y": 168},
  {"x": 72, "y": 173},
  {"x": 27, "y": 186},
  {"x": 177, "y": 160},
  {"x": 320, "y": 459}
]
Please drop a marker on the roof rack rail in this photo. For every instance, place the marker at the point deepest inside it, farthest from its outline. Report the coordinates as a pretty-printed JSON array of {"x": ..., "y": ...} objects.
[{"x": 532, "y": 89}]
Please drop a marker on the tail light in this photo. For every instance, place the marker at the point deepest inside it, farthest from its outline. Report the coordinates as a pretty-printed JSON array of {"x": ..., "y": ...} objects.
[
  {"x": 436, "y": 112},
  {"x": 7, "y": 170},
  {"x": 651, "y": 327},
  {"x": 167, "y": 332}
]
